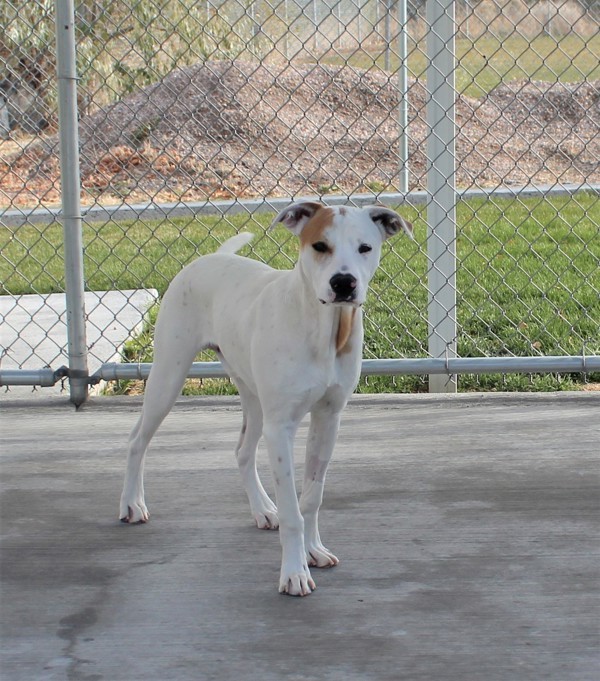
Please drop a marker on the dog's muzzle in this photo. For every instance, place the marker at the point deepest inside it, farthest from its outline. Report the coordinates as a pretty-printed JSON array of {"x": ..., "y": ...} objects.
[{"x": 343, "y": 287}]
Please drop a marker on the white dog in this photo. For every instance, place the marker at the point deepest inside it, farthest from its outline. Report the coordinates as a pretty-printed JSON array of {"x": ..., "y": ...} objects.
[{"x": 292, "y": 343}]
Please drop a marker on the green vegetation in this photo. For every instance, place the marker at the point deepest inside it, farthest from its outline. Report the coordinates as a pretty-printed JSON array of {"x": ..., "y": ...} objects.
[
  {"x": 121, "y": 47},
  {"x": 528, "y": 278},
  {"x": 484, "y": 63}
]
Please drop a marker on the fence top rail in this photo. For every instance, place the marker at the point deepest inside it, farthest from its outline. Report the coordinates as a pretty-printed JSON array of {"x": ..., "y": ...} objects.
[{"x": 156, "y": 211}]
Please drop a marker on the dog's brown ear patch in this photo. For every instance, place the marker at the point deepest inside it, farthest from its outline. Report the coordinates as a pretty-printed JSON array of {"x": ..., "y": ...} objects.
[
  {"x": 296, "y": 216},
  {"x": 316, "y": 226}
]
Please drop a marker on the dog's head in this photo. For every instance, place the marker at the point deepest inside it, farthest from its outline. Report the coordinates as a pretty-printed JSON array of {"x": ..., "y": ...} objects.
[{"x": 340, "y": 246}]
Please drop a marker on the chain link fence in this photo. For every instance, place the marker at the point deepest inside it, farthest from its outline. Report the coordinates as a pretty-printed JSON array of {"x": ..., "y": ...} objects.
[{"x": 197, "y": 119}]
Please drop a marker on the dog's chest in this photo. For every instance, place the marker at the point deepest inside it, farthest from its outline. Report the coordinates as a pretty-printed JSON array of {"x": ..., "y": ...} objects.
[{"x": 332, "y": 377}]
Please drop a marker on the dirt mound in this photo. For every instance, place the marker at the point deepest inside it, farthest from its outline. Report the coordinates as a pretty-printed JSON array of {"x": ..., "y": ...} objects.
[
  {"x": 538, "y": 132},
  {"x": 549, "y": 103},
  {"x": 239, "y": 129},
  {"x": 226, "y": 129}
]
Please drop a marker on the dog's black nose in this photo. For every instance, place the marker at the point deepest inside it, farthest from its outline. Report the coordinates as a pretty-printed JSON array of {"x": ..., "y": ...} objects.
[{"x": 344, "y": 287}]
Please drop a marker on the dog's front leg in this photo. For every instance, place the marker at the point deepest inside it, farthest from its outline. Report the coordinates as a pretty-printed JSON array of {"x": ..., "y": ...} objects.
[
  {"x": 322, "y": 434},
  {"x": 295, "y": 578}
]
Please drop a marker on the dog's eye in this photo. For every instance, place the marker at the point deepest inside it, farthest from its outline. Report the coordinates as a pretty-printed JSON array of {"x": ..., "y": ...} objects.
[
  {"x": 321, "y": 247},
  {"x": 365, "y": 248}
]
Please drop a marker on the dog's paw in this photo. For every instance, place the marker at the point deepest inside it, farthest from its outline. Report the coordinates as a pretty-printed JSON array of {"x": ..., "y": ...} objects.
[
  {"x": 318, "y": 556},
  {"x": 134, "y": 513},
  {"x": 265, "y": 515},
  {"x": 267, "y": 520},
  {"x": 298, "y": 583}
]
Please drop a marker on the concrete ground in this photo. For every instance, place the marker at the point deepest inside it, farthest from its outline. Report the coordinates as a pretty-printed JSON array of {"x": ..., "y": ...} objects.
[{"x": 466, "y": 526}]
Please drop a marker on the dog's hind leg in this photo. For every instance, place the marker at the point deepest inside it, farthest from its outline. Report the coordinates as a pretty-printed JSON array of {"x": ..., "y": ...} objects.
[
  {"x": 169, "y": 371},
  {"x": 263, "y": 509}
]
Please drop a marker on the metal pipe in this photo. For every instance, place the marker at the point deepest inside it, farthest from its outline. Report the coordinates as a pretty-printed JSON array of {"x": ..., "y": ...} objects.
[
  {"x": 228, "y": 208},
  {"x": 403, "y": 96},
  {"x": 114, "y": 371},
  {"x": 71, "y": 200},
  {"x": 393, "y": 367},
  {"x": 387, "y": 34},
  {"x": 481, "y": 365},
  {"x": 45, "y": 378}
]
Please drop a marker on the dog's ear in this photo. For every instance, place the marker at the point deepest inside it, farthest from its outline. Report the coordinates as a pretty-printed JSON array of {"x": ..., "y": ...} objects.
[
  {"x": 294, "y": 217},
  {"x": 389, "y": 221}
]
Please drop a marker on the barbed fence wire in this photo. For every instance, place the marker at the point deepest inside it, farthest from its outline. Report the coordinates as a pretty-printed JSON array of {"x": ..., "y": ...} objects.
[{"x": 197, "y": 118}]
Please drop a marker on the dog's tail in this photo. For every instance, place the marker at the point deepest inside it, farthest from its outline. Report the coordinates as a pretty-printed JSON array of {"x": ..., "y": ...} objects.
[{"x": 236, "y": 242}]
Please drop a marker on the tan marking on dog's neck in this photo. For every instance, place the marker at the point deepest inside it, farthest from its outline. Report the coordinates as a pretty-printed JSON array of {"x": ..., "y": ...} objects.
[
  {"x": 313, "y": 231},
  {"x": 344, "y": 331}
]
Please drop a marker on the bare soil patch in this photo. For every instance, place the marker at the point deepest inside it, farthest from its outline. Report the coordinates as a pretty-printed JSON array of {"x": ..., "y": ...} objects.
[{"x": 225, "y": 129}]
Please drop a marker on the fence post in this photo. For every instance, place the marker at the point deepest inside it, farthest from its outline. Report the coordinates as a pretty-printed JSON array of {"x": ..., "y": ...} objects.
[
  {"x": 441, "y": 207},
  {"x": 403, "y": 95},
  {"x": 66, "y": 70}
]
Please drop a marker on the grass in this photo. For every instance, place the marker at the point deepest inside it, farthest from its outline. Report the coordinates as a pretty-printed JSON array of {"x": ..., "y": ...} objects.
[
  {"x": 484, "y": 63},
  {"x": 528, "y": 279}
]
